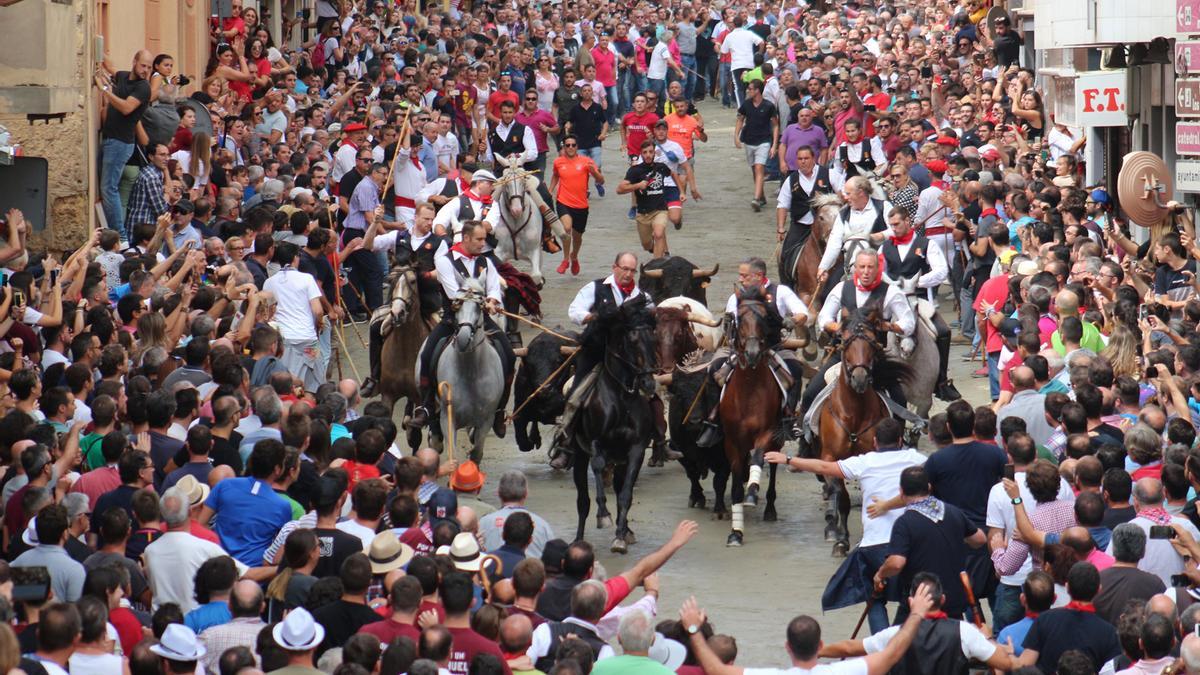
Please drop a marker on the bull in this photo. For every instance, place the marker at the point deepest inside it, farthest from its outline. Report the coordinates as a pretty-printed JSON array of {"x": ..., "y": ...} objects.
[
  {"x": 539, "y": 361},
  {"x": 675, "y": 275}
]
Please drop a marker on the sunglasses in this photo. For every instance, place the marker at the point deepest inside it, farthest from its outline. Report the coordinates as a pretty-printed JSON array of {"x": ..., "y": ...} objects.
[{"x": 570, "y": 145}]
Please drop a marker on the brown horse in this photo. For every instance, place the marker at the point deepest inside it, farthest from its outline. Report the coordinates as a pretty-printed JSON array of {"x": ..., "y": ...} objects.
[
  {"x": 401, "y": 346},
  {"x": 825, "y": 211},
  {"x": 849, "y": 416},
  {"x": 749, "y": 412}
]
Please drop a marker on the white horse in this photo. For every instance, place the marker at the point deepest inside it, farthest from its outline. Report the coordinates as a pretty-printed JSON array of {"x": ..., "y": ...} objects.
[
  {"x": 473, "y": 368},
  {"x": 519, "y": 234}
]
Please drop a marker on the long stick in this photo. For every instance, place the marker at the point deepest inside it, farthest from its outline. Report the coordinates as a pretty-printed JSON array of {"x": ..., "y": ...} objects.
[
  {"x": 447, "y": 391},
  {"x": 542, "y": 386},
  {"x": 342, "y": 338},
  {"x": 688, "y": 415},
  {"x": 537, "y": 325},
  {"x": 976, "y": 610},
  {"x": 354, "y": 326},
  {"x": 396, "y": 155}
]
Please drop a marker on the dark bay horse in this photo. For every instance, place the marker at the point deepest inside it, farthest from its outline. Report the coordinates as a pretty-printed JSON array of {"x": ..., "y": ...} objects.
[
  {"x": 615, "y": 420},
  {"x": 401, "y": 345},
  {"x": 803, "y": 271},
  {"x": 853, "y": 409},
  {"x": 749, "y": 412}
]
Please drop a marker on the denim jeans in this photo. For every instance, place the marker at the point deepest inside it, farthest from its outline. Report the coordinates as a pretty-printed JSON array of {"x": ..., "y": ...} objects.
[
  {"x": 993, "y": 365},
  {"x": 877, "y": 618},
  {"x": 689, "y": 76},
  {"x": 726, "y": 82},
  {"x": 626, "y": 83},
  {"x": 640, "y": 85},
  {"x": 593, "y": 153},
  {"x": 113, "y": 156},
  {"x": 658, "y": 86},
  {"x": 613, "y": 104},
  {"x": 1007, "y": 608},
  {"x": 739, "y": 87}
]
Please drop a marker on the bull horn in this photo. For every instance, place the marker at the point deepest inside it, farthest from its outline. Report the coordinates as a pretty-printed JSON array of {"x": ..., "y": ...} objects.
[
  {"x": 568, "y": 350},
  {"x": 521, "y": 352},
  {"x": 664, "y": 379},
  {"x": 698, "y": 272},
  {"x": 703, "y": 320},
  {"x": 653, "y": 274}
]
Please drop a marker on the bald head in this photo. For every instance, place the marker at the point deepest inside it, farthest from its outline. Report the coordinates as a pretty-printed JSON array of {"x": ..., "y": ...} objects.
[
  {"x": 349, "y": 389},
  {"x": 468, "y": 519},
  {"x": 1022, "y": 378},
  {"x": 430, "y": 460},
  {"x": 1148, "y": 493},
  {"x": 516, "y": 634},
  {"x": 503, "y": 592},
  {"x": 1079, "y": 539},
  {"x": 1067, "y": 303},
  {"x": 1162, "y": 605},
  {"x": 246, "y": 600}
]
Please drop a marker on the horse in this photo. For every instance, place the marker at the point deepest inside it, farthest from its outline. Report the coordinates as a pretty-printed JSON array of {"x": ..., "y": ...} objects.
[
  {"x": 684, "y": 332},
  {"x": 615, "y": 422},
  {"x": 801, "y": 266},
  {"x": 749, "y": 412},
  {"x": 473, "y": 368},
  {"x": 848, "y": 417},
  {"x": 519, "y": 233},
  {"x": 918, "y": 389},
  {"x": 405, "y": 330}
]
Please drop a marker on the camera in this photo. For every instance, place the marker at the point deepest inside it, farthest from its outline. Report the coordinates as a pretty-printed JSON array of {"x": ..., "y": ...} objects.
[{"x": 182, "y": 80}]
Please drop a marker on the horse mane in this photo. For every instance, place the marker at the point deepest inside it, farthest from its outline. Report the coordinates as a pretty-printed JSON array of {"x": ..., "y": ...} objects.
[{"x": 823, "y": 200}]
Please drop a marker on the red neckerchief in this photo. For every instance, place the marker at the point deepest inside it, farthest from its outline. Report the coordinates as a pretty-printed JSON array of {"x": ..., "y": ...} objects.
[
  {"x": 350, "y": 144},
  {"x": 934, "y": 616},
  {"x": 1031, "y": 615},
  {"x": 878, "y": 279},
  {"x": 625, "y": 290},
  {"x": 906, "y": 239},
  {"x": 470, "y": 194},
  {"x": 1081, "y": 606},
  {"x": 458, "y": 248},
  {"x": 939, "y": 184},
  {"x": 989, "y": 212}
]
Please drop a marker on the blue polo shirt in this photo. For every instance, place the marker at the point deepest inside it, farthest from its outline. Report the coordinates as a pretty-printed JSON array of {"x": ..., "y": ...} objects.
[
  {"x": 249, "y": 515},
  {"x": 214, "y": 613}
]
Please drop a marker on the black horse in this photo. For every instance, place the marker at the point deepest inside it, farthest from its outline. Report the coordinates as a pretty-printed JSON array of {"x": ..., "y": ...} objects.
[{"x": 615, "y": 422}]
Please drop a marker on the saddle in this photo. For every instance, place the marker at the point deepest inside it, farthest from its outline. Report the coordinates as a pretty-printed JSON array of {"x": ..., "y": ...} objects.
[{"x": 812, "y": 415}]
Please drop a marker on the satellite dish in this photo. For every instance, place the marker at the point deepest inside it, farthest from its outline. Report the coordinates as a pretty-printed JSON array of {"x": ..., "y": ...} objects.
[{"x": 1144, "y": 187}]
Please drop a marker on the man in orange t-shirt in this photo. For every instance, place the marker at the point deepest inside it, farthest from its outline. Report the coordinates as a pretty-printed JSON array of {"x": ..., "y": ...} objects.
[
  {"x": 569, "y": 185},
  {"x": 684, "y": 129}
]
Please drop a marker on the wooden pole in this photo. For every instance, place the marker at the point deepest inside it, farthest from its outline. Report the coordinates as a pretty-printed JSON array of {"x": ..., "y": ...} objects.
[
  {"x": 396, "y": 155},
  {"x": 447, "y": 392},
  {"x": 537, "y": 325}
]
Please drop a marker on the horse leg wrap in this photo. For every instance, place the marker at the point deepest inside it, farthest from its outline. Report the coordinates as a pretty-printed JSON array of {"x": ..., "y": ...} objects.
[
  {"x": 738, "y": 522},
  {"x": 755, "y": 475}
]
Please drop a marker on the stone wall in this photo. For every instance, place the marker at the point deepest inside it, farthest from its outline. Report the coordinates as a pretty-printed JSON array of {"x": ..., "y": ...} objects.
[{"x": 64, "y": 145}]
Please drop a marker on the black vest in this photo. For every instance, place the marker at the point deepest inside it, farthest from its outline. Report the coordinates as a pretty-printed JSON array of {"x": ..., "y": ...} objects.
[
  {"x": 801, "y": 199},
  {"x": 773, "y": 330},
  {"x": 867, "y": 162},
  {"x": 558, "y": 631},
  {"x": 422, "y": 257},
  {"x": 511, "y": 144},
  {"x": 466, "y": 210},
  {"x": 880, "y": 217},
  {"x": 478, "y": 270},
  {"x": 450, "y": 188},
  {"x": 850, "y": 297},
  {"x": 914, "y": 264},
  {"x": 936, "y": 650}
]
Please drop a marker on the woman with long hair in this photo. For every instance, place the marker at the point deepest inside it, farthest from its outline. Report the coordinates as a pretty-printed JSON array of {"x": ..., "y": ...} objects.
[
  {"x": 546, "y": 82},
  {"x": 289, "y": 588},
  {"x": 151, "y": 332},
  {"x": 162, "y": 80},
  {"x": 1122, "y": 352},
  {"x": 197, "y": 160},
  {"x": 231, "y": 65}
]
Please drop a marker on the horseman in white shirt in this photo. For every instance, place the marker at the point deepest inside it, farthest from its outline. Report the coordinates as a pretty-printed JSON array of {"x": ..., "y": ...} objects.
[
  {"x": 863, "y": 291},
  {"x": 917, "y": 264},
  {"x": 473, "y": 204},
  {"x": 856, "y": 156},
  {"x": 862, "y": 221},
  {"x": 511, "y": 139}
]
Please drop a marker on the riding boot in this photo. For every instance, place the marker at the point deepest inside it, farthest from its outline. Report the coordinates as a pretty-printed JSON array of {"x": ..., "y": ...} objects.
[
  {"x": 712, "y": 433},
  {"x": 549, "y": 219},
  {"x": 421, "y": 413},
  {"x": 945, "y": 386},
  {"x": 500, "y": 424},
  {"x": 561, "y": 450},
  {"x": 369, "y": 385}
]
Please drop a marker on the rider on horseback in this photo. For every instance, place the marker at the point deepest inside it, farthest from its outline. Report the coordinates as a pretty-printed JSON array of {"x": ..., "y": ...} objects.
[
  {"x": 862, "y": 221},
  {"x": 417, "y": 250},
  {"x": 916, "y": 265},
  {"x": 795, "y": 195},
  {"x": 780, "y": 302},
  {"x": 508, "y": 138},
  {"x": 474, "y": 204},
  {"x": 600, "y": 298},
  {"x": 865, "y": 290},
  {"x": 466, "y": 259}
]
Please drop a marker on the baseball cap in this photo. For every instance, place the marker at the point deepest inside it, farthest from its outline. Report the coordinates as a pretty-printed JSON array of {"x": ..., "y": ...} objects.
[
  {"x": 1100, "y": 196},
  {"x": 443, "y": 505},
  {"x": 183, "y": 206}
]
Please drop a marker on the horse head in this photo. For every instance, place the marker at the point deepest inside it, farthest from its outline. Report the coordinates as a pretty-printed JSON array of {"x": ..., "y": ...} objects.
[
  {"x": 860, "y": 348},
  {"x": 673, "y": 336},
  {"x": 631, "y": 347},
  {"x": 512, "y": 190},
  {"x": 468, "y": 314},
  {"x": 406, "y": 299},
  {"x": 749, "y": 343},
  {"x": 825, "y": 211}
]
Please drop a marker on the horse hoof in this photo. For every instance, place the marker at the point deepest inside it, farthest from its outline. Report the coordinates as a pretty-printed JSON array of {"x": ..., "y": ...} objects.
[
  {"x": 735, "y": 539},
  {"x": 718, "y": 515},
  {"x": 603, "y": 522},
  {"x": 830, "y": 533},
  {"x": 619, "y": 546},
  {"x": 751, "y": 500},
  {"x": 770, "y": 516},
  {"x": 630, "y": 538},
  {"x": 654, "y": 463},
  {"x": 697, "y": 503},
  {"x": 840, "y": 549}
]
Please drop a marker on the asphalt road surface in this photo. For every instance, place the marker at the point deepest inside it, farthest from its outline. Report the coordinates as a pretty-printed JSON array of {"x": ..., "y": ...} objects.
[{"x": 749, "y": 592}]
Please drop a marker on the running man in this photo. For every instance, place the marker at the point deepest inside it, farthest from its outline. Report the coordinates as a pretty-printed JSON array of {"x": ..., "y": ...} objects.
[
  {"x": 648, "y": 181},
  {"x": 569, "y": 185},
  {"x": 757, "y": 130},
  {"x": 671, "y": 153}
]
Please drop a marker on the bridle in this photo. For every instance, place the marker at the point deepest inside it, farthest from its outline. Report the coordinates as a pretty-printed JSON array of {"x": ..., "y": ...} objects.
[
  {"x": 406, "y": 277},
  {"x": 859, "y": 332},
  {"x": 639, "y": 372},
  {"x": 474, "y": 326},
  {"x": 754, "y": 312}
]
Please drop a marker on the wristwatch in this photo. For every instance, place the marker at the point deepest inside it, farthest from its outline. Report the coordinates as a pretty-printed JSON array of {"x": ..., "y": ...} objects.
[
  {"x": 693, "y": 629},
  {"x": 1016, "y": 501}
]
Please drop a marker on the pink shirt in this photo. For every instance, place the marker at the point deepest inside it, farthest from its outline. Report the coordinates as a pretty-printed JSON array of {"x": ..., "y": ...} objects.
[
  {"x": 1100, "y": 559},
  {"x": 606, "y": 66},
  {"x": 532, "y": 121}
]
